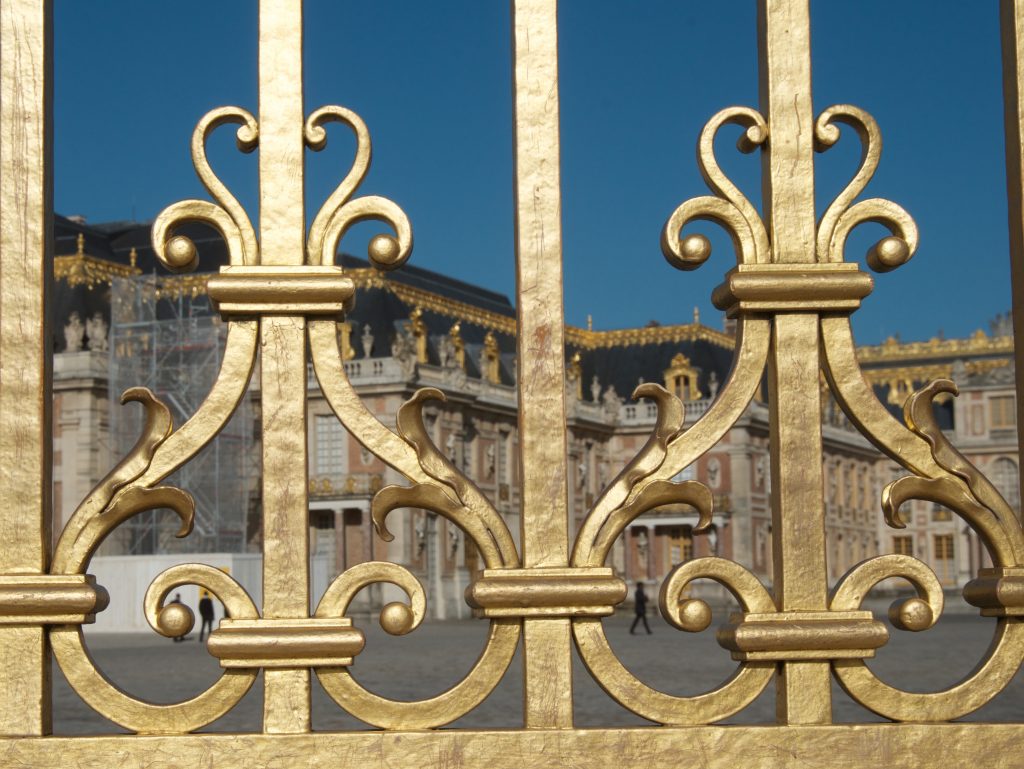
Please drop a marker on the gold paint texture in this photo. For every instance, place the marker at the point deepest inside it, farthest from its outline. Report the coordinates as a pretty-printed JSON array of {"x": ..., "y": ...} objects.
[
  {"x": 540, "y": 342},
  {"x": 791, "y": 293},
  {"x": 1012, "y": 29},
  {"x": 25, "y": 364}
]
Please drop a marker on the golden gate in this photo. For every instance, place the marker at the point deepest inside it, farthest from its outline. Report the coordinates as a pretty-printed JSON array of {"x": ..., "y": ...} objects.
[{"x": 791, "y": 292}]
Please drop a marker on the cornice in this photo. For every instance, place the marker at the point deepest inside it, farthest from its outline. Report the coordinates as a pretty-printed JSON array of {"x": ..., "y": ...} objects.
[
  {"x": 504, "y": 324},
  {"x": 83, "y": 270},
  {"x": 929, "y": 371},
  {"x": 978, "y": 344}
]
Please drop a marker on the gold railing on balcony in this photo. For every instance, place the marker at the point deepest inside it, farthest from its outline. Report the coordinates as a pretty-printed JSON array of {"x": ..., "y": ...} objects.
[{"x": 791, "y": 292}]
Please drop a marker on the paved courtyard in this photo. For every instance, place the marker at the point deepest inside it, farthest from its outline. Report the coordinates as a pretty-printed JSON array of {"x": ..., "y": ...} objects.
[{"x": 436, "y": 655}]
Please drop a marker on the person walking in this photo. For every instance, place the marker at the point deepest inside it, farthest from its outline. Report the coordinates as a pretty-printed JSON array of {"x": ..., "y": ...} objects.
[
  {"x": 640, "y": 608},
  {"x": 206, "y": 613}
]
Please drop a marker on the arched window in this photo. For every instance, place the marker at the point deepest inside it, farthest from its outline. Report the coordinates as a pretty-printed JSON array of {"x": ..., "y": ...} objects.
[{"x": 1006, "y": 478}]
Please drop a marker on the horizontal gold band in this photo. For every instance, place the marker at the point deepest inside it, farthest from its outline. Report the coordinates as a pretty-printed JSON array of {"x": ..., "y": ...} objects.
[
  {"x": 997, "y": 592},
  {"x": 57, "y": 599},
  {"x": 285, "y": 643},
  {"x": 803, "y": 636},
  {"x": 546, "y": 592},
  {"x": 301, "y": 290},
  {"x": 852, "y": 746},
  {"x": 792, "y": 288}
]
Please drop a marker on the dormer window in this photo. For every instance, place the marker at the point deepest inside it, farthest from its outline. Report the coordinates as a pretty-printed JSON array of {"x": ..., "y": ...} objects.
[{"x": 681, "y": 379}]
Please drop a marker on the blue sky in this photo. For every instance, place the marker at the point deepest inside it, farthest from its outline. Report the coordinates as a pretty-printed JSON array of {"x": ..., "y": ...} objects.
[{"x": 638, "y": 81}]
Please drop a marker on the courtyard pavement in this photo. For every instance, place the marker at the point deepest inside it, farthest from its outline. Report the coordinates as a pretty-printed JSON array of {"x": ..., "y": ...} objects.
[{"x": 438, "y": 654}]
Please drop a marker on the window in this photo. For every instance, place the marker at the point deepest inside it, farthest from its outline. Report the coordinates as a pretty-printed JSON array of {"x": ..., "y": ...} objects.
[
  {"x": 903, "y": 545},
  {"x": 940, "y": 513},
  {"x": 680, "y": 544},
  {"x": 1002, "y": 412},
  {"x": 1006, "y": 478},
  {"x": 681, "y": 379},
  {"x": 944, "y": 567},
  {"x": 330, "y": 445},
  {"x": 688, "y": 473}
]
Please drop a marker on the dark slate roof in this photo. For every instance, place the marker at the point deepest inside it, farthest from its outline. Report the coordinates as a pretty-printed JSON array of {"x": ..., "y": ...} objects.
[
  {"x": 624, "y": 367},
  {"x": 621, "y": 366}
]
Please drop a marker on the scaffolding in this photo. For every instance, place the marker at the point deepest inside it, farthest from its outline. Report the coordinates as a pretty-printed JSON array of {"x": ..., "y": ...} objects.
[{"x": 165, "y": 336}]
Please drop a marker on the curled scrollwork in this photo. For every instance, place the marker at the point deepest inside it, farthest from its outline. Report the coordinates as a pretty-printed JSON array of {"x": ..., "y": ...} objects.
[
  {"x": 672, "y": 448},
  {"x": 177, "y": 252},
  {"x": 919, "y": 613},
  {"x": 130, "y": 488},
  {"x": 605, "y": 523},
  {"x": 939, "y": 474},
  {"x": 749, "y": 680},
  {"x": 449, "y": 493},
  {"x": 728, "y": 207},
  {"x": 644, "y": 484},
  {"x": 398, "y": 619},
  {"x": 176, "y": 619},
  {"x": 437, "y": 485},
  {"x": 340, "y": 211},
  {"x": 955, "y": 482},
  {"x": 843, "y": 215},
  {"x": 173, "y": 619},
  {"x": 116, "y": 499}
]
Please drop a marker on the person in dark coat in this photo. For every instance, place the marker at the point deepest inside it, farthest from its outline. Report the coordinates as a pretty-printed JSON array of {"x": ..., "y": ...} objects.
[
  {"x": 640, "y": 608},
  {"x": 206, "y": 613}
]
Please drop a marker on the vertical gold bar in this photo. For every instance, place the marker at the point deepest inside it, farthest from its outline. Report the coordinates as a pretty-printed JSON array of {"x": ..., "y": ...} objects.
[
  {"x": 1012, "y": 24},
  {"x": 283, "y": 355},
  {"x": 25, "y": 364},
  {"x": 547, "y": 661},
  {"x": 281, "y": 149},
  {"x": 803, "y": 694},
  {"x": 787, "y": 179}
]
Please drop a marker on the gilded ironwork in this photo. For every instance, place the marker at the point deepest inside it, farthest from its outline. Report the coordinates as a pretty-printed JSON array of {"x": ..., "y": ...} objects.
[{"x": 282, "y": 294}]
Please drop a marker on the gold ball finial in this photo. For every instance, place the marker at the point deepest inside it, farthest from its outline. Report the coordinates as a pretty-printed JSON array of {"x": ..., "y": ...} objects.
[
  {"x": 691, "y": 252},
  {"x": 694, "y": 615},
  {"x": 396, "y": 618},
  {"x": 888, "y": 254},
  {"x": 181, "y": 254},
  {"x": 175, "y": 619},
  {"x": 385, "y": 252},
  {"x": 914, "y": 614}
]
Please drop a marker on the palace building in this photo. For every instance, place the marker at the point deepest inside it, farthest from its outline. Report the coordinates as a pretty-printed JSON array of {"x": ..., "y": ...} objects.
[{"x": 120, "y": 321}]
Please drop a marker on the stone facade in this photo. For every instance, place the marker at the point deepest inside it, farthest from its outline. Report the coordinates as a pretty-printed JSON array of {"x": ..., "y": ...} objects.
[{"x": 426, "y": 330}]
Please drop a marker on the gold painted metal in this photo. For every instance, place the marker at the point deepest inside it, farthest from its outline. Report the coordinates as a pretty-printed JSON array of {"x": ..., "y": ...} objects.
[
  {"x": 26, "y": 272},
  {"x": 546, "y": 592},
  {"x": 273, "y": 290},
  {"x": 285, "y": 643},
  {"x": 540, "y": 340},
  {"x": 50, "y": 599},
  {"x": 803, "y": 635},
  {"x": 857, "y": 746},
  {"x": 997, "y": 592},
  {"x": 791, "y": 294},
  {"x": 1012, "y": 29},
  {"x": 780, "y": 288}
]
